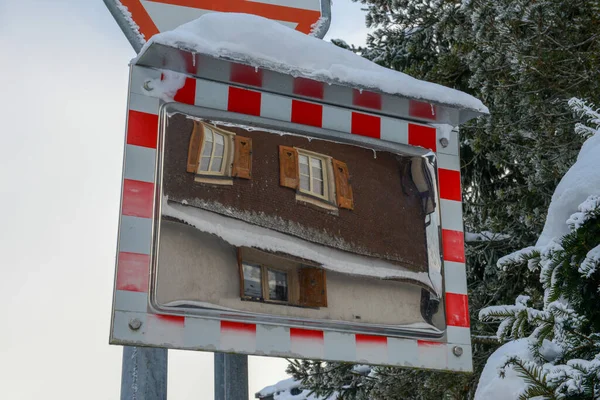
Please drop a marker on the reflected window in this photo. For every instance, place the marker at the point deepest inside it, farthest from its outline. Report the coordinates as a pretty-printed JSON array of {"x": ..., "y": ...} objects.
[
  {"x": 252, "y": 281},
  {"x": 313, "y": 179},
  {"x": 278, "y": 285},
  {"x": 216, "y": 155},
  {"x": 281, "y": 281},
  {"x": 213, "y": 152},
  {"x": 318, "y": 179}
]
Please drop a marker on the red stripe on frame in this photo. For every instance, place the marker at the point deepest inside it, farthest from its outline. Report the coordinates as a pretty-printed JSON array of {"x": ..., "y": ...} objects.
[
  {"x": 307, "y": 113},
  {"x": 133, "y": 272},
  {"x": 246, "y": 74},
  {"x": 366, "y": 99},
  {"x": 187, "y": 94},
  {"x": 371, "y": 339},
  {"x": 299, "y": 333},
  {"x": 454, "y": 245},
  {"x": 422, "y": 109},
  {"x": 171, "y": 319},
  {"x": 450, "y": 184},
  {"x": 138, "y": 198},
  {"x": 366, "y": 125},
  {"x": 421, "y": 135},
  {"x": 238, "y": 326},
  {"x": 309, "y": 88},
  {"x": 428, "y": 343},
  {"x": 457, "y": 310},
  {"x": 142, "y": 129},
  {"x": 244, "y": 101}
]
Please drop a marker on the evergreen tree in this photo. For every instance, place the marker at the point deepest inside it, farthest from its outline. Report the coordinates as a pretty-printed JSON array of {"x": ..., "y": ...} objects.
[
  {"x": 564, "y": 332},
  {"x": 524, "y": 59},
  {"x": 564, "y": 328}
]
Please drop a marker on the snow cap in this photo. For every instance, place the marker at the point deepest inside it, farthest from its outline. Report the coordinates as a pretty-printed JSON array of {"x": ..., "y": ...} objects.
[
  {"x": 491, "y": 386},
  {"x": 283, "y": 390},
  {"x": 581, "y": 181},
  {"x": 267, "y": 44}
]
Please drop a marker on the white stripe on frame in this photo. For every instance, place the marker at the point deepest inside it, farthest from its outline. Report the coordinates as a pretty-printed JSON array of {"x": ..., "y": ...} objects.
[
  {"x": 135, "y": 235},
  {"x": 211, "y": 94},
  {"x": 458, "y": 335},
  {"x": 131, "y": 301},
  {"x": 456, "y": 277},
  {"x": 452, "y": 217},
  {"x": 139, "y": 163}
]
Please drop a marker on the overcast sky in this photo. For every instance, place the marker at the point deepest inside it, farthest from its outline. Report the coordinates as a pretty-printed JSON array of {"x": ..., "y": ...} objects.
[{"x": 63, "y": 88}]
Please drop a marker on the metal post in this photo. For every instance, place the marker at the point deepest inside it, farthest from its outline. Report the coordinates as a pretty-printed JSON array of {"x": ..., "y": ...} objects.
[
  {"x": 144, "y": 375},
  {"x": 231, "y": 376}
]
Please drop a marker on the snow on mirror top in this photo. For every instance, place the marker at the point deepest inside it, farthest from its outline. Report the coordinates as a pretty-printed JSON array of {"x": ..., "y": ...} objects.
[{"x": 263, "y": 43}]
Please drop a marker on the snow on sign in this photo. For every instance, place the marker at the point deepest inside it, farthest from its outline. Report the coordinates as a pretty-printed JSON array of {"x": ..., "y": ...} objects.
[
  {"x": 308, "y": 207},
  {"x": 142, "y": 19}
]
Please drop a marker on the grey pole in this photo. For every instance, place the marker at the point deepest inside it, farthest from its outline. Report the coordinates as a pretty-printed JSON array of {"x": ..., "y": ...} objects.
[
  {"x": 231, "y": 376},
  {"x": 144, "y": 375}
]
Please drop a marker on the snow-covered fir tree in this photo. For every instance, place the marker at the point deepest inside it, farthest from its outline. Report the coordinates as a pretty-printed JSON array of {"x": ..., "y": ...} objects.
[
  {"x": 525, "y": 59},
  {"x": 560, "y": 358}
]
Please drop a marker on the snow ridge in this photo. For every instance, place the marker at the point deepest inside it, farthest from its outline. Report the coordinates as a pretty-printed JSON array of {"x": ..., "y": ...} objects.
[
  {"x": 240, "y": 233},
  {"x": 249, "y": 39}
]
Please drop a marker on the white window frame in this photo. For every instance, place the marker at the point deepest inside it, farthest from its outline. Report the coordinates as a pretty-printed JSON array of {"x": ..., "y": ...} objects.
[
  {"x": 227, "y": 152},
  {"x": 325, "y": 168}
]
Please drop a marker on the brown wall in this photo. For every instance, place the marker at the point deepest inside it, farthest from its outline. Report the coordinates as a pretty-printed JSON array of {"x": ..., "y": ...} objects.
[{"x": 387, "y": 220}]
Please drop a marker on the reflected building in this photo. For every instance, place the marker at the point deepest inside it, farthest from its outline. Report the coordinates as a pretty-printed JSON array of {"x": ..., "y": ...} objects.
[{"x": 261, "y": 222}]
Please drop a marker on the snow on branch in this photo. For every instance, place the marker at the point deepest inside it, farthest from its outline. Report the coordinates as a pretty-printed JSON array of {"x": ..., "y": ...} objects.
[
  {"x": 590, "y": 263},
  {"x": 513, "y": 318},
  {"x": 529, "y": 255},
  {"x": 589, "y": 209},
  {"x": 584, "y": 110},
  {"x": 485, "y": 236}
]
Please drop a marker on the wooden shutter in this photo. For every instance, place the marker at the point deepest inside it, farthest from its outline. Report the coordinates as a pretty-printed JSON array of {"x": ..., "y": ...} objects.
[
  {"x": 343, "y": 189},
  {"x": 313, "y": 288},
  {"x": 242, "y": 157},
  {"x": 288, "y": 167},
  {"x": 195, "y": 147}
]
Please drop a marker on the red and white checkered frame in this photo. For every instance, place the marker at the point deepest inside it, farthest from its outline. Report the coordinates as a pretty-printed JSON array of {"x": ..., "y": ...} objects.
[{"x": 197, "y": 333}]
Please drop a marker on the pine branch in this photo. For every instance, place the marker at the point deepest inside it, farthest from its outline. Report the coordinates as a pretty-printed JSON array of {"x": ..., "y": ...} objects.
[{"x": 534, "y": 376}]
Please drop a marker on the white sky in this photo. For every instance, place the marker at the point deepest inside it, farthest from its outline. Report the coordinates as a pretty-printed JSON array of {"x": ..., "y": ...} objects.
[{"x": 63, "y": 87}]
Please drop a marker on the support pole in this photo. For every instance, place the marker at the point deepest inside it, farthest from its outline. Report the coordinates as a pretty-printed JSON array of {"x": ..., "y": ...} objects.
[
  {"x": 231, "y": 376},
  {"x": 144, "y": 374}
]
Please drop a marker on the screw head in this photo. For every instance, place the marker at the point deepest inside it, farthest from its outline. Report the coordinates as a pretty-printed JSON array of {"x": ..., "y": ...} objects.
[
  {"x": 148, "y": 85},
  {"x": 135, "y": 324},
  {"x": 444, "y": 142},
  {"x": 457, "y": 350}
]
